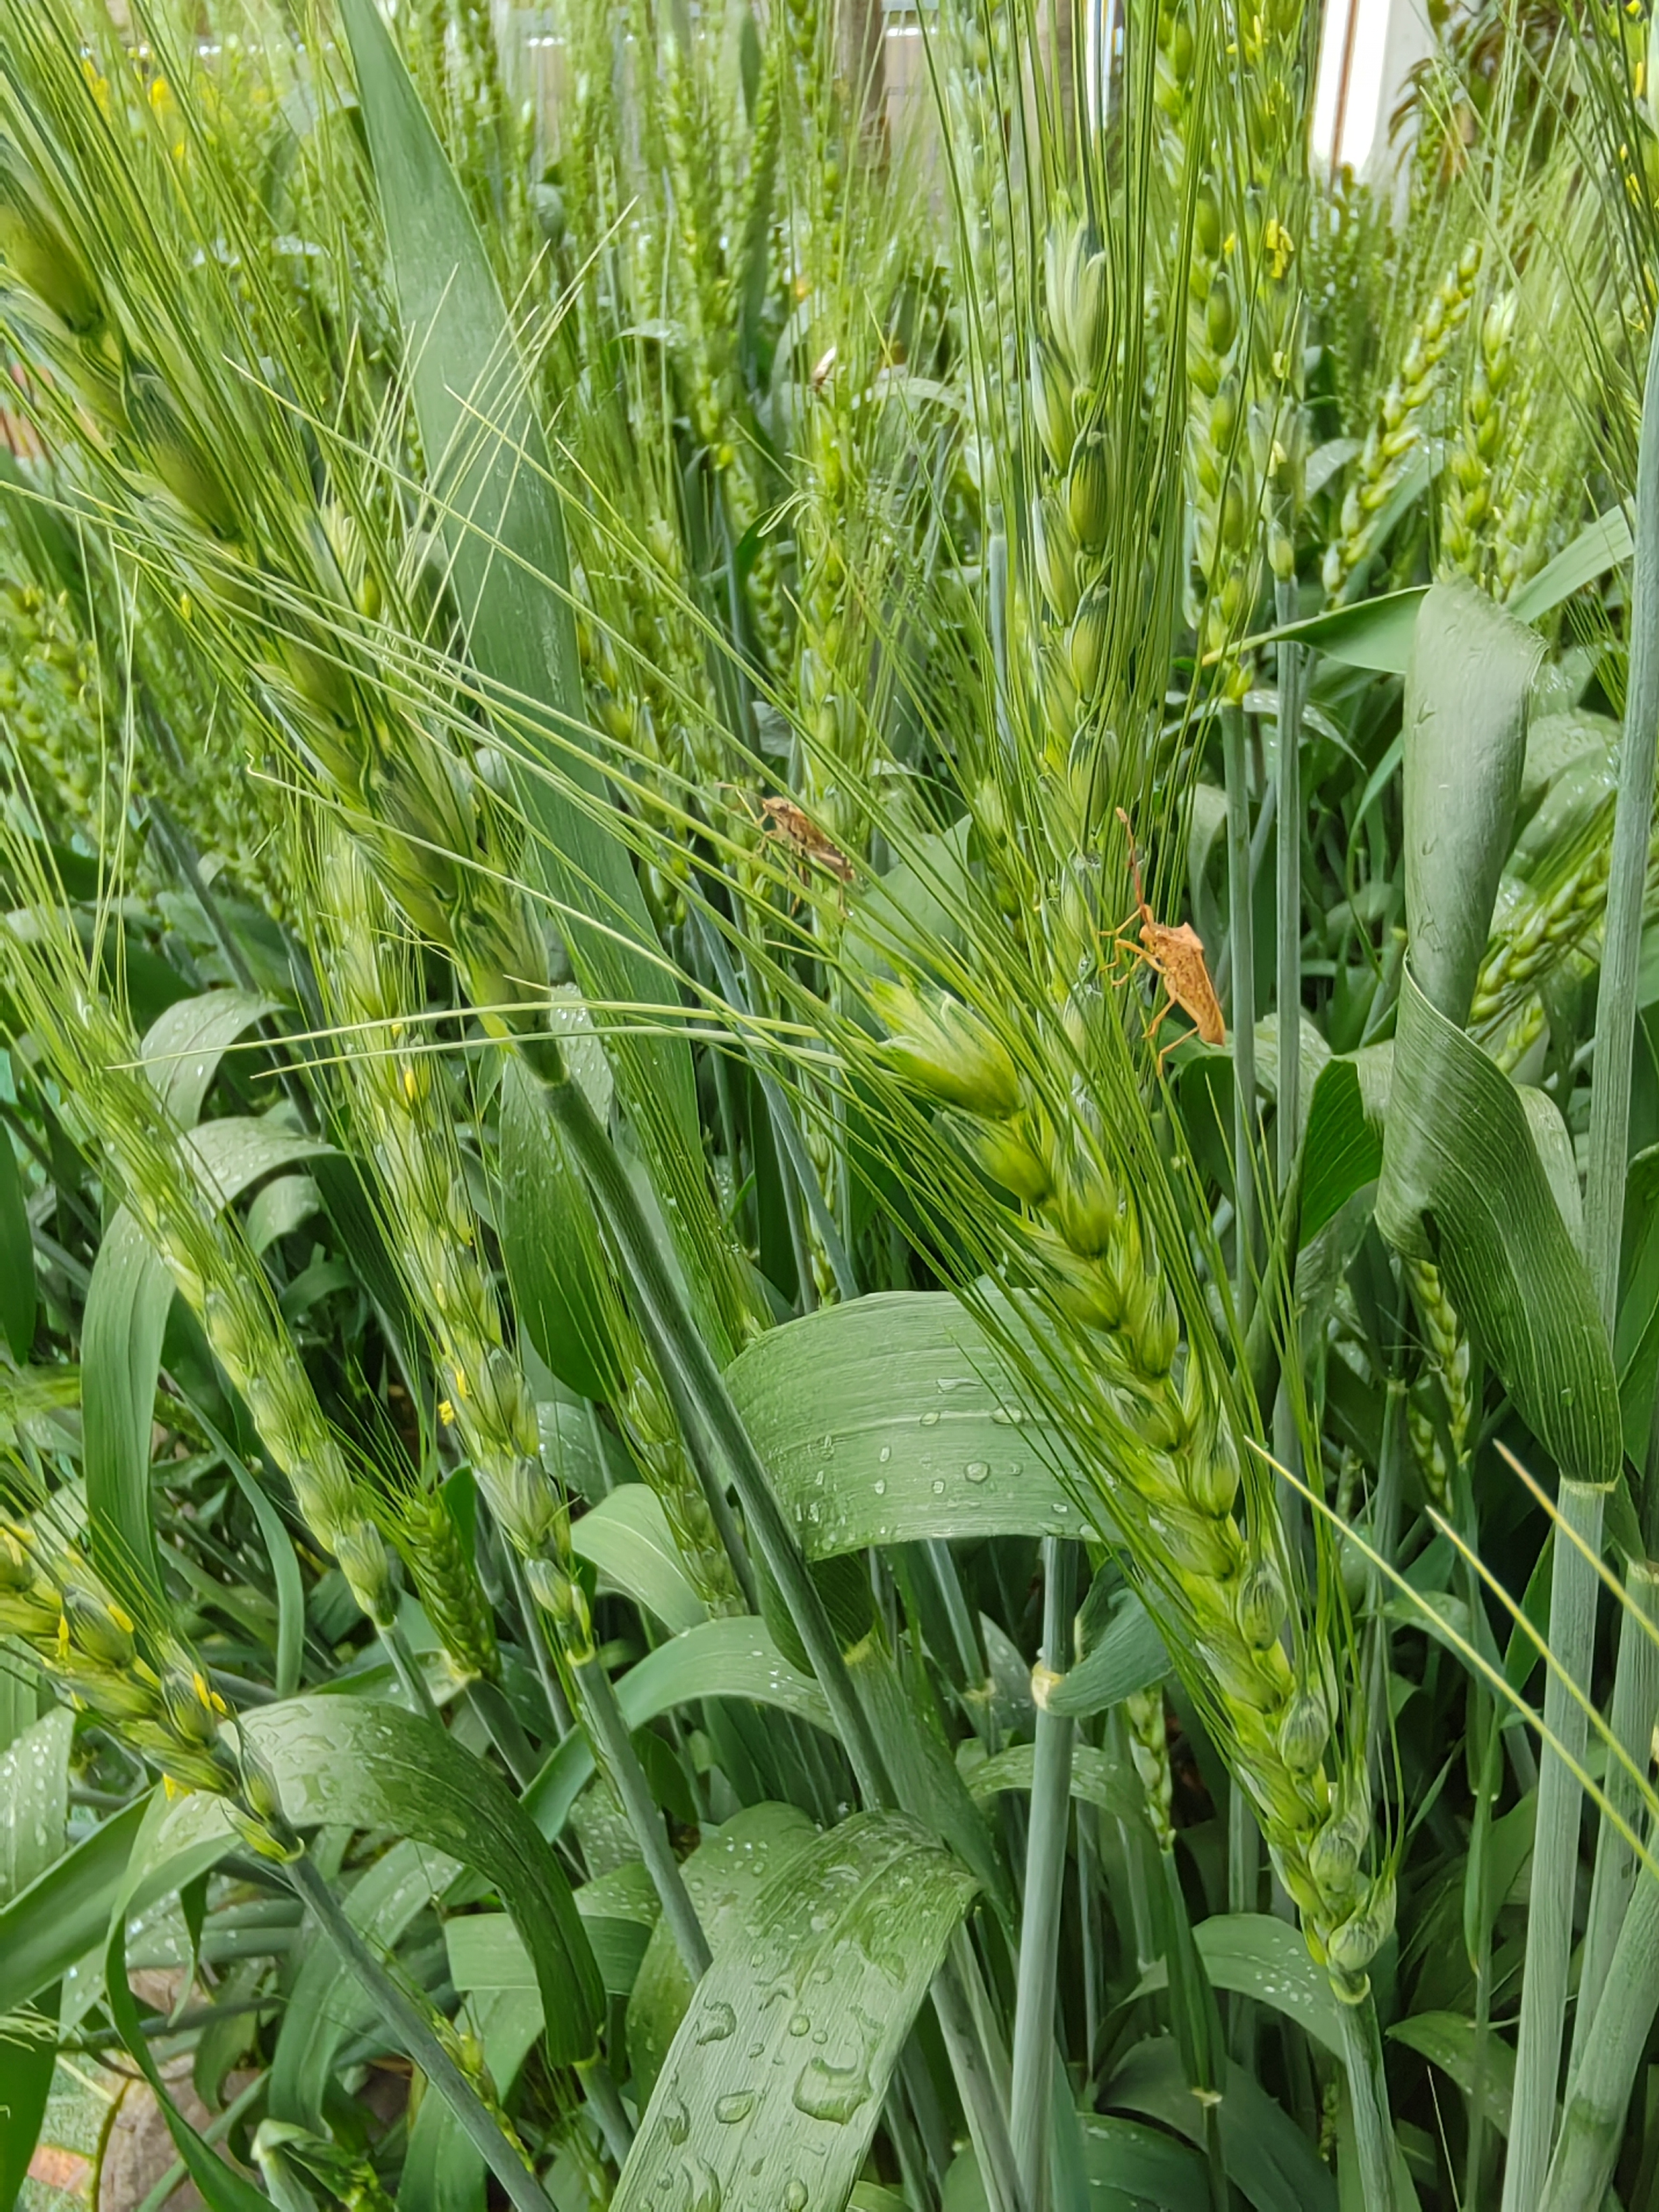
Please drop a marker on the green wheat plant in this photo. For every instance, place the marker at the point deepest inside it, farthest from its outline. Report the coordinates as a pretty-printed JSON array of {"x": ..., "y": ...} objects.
[{"x": 829, "y": 1325}]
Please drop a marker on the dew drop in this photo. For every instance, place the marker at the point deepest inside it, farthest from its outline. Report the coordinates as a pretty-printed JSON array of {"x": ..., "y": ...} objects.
[
  {"x": 676, "y": 2120},
  {"x": 885, "y": 1454},
  {"x": 799, "y": 2024},
  {"x": 829, "y": 2092},
  {"x": 699, "y": 2187},
  {"x": 930, "y": 1418},
  {"x": 729, "y": 2110},
  {"x": 718, "y": 2023},
  {"x": 794, "y": 2196},
  {"x": 939, "y": 1489},
  {"x": 881, "y": 1487},
  {"x": 977, "y": 1470}
]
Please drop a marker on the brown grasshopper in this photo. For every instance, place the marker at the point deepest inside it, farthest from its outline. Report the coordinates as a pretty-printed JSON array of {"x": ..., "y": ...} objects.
[
  {"x": 1175, "y": 956},
  {"x": 813, "y": 847}
]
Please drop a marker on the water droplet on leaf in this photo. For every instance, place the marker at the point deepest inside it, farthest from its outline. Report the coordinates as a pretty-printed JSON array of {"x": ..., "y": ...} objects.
[{"x": 829, "y": 2092}]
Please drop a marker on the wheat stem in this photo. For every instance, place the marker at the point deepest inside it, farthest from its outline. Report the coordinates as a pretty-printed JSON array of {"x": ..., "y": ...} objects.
[
  {"x": 1045, "y": 1873},
  {"x": 407, "y": 1669},
  {"x": 1242, "y": 943},
  {"x": 419, "y": 2042},
  {"x": 602, "y": 1718},
  {"x": 1635, "y": 1708},
  {"x": 1573, "y": 1590},
  {"x": 1288, "y": 993},
  {"x": 604, "y": 2100},
  {"x": 714, "y": 1429},
  {"x": 1632, "y": 827},
  {"x": 785, "y": 1128},
  {"x": 1584, "y": 2157},
  {"x": 1368, "y": 2096},
  {"x": 972, "y": 2065}
]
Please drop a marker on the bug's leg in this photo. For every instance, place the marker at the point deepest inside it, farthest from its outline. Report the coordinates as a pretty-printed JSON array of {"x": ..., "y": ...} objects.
[
  {"x": 1165, "y": 1050},
  {"x": 1122, "y": 953},
  {"x": 1159, "y": 1017}
]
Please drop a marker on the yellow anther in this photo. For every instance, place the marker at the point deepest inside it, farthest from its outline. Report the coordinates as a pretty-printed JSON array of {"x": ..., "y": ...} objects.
[
  {"x": 446, "y": 1413},
  {"x": 409, "y": 1083},
  {"x": 122, "y": 1619}
]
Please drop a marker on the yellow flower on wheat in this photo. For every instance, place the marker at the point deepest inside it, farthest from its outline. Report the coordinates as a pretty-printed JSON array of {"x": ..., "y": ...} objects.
[{"x": 1280, "y": 247}]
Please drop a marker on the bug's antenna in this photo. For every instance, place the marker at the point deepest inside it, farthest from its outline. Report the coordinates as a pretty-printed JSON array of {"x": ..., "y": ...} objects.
[{"x": 1134, "y": 858}]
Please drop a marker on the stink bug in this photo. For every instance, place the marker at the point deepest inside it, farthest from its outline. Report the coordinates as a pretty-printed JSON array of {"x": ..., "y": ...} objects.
[{"x": 1175, "y": 956}]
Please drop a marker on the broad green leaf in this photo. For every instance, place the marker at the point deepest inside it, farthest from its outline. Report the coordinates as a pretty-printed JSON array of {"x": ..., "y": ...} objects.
[
  {"x": 122, "y": 1328},
  {"x": 125, "y": 1321},
  {"x": 327, "y": 2002},
  {"x": 1635, "y": 1337},
  {"x": 774, "y": 2082},
  {"x": 182, "y": 1049},
  {"x": 926, "y": 1781},
  {"x": 626, "y": 1537},
  {"x": 555, "y": 1264},
  {"x": 724, "y": 1875},
  {"x": 1270, "y": 2162},
  {"x": 56, "y": 1921},
  {"x": 1463, "y": 1184},
  {"x": 285, "y": 1573},
  {"x": 33, "y": 1800},
  {"x": 28, "y": 2060},
  {"x": 578, "y": 1452},
  {"x": 499, "y": 512},
  {"x": 282, "y": 1207},
  {"x": 1372, "y": 634},
  {"x": 17, "y": 1285},
  {"x": 1465, "y": 750},
  {"x": 619, "y": 1911},
  {"x": 20, "y": 1692},
  {"x": 892, "y": 1419},
  {"x": 1552, "y": 1142},
  {"x": 34, "y": 1812},
  {"x": 1094, "y": 1780},
  {"x": 918, "y": 904},
  {"x": 1601, "y": 545},
  {"x": 1256, "y": 1956},
  {"x": 1342, "y": 1150},
  {"x": 349, "y": 1762},
  {"x": 1129, "y": 1656},
  {"x": 1130, "y": 2167},
  {"x": 235, "y": 1153},
  {"x": 728, "y": 1658},
  {"x": 1447, "y": 2039}
]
